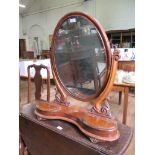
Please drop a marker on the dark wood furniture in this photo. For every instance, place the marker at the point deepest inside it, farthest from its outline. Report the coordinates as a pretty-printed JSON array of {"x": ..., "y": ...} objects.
[
  {"x": 79, "y": 37},
  {"x": 22, "y": 47},
  {"x": 28, "y": 55},
  {"x": 122, "y": 38},
  {"x": 45, "y": 54},
  {"x": 128, "y": 66},
  {"x": 38, "y": 81},
  {"x": 99, "y": 132},
  {"x": 47, "y": 138}
]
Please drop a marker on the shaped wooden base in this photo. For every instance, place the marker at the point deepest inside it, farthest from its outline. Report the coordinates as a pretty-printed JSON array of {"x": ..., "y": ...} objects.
[{"x": 92, "y": 125}]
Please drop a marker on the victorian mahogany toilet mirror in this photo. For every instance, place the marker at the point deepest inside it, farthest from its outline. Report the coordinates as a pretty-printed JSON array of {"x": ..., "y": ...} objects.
[
  {"x": 83, "y": 68},
  {"x": 81, "y": 56}
]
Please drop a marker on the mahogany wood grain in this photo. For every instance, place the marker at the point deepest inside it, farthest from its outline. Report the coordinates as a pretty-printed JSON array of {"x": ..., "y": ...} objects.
[
  {"x": 94, "y": 126},
  {"x": 44, "y": 138},
  {"x": 96, "y": 123},
  {"x": 100, "y": 100},
  {"x": 128, "y": 66}
]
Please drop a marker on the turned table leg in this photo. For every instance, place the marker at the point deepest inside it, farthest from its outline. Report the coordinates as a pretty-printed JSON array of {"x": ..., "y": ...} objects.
[
  {"x": 125, "y": 105},
  {"x": 123, "y": 89},
  {"x": 120, "y": 97}
]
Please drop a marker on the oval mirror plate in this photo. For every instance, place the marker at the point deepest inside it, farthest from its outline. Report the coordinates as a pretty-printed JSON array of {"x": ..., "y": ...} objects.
[{"x": 80, "y": 56}]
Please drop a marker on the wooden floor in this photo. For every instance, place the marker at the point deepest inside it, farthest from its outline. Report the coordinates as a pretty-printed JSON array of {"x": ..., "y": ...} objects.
[{"x": 115, "y": 108}]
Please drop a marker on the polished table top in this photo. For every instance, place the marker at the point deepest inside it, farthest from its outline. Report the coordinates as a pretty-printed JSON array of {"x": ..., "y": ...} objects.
[
  {"x": 62, "y": 138},
  {"x": 124, "y": 84}
]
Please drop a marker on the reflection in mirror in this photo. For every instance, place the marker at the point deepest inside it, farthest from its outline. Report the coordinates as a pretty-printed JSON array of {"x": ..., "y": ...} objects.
[{"x": 80, "y": 57}]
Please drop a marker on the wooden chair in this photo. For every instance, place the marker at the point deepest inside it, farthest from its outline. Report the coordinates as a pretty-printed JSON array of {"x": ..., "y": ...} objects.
[{"x": 38, "y": 81}]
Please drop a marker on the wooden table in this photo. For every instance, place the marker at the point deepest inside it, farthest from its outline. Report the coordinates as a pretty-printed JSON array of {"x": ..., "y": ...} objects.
[
  {"x": 46, "y": 137},
  {"x": 123, "y": 87}
]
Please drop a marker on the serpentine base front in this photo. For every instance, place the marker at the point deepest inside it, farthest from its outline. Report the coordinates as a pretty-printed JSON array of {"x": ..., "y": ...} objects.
[{"x": 97, "y": 128}]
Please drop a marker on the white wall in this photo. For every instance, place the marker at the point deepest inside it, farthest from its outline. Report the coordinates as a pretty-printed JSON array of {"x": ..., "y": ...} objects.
[
  {"x": 116, "y": 14},
  {"x": 43, "y": 16},
  {"x": 20, "y": 27}
]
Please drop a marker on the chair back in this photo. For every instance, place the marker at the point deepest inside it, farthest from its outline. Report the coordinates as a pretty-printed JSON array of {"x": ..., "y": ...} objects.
[{"x": 38, "y": 81}]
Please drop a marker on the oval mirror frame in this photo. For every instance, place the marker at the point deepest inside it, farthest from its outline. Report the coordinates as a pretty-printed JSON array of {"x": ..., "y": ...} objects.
[{"x": 105, "y": 43}]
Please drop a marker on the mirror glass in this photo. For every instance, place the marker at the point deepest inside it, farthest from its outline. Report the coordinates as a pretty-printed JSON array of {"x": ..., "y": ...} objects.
[{"x": 80, "y": 57}]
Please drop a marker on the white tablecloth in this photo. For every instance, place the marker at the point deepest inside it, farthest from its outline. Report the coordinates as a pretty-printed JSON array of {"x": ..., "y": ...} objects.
[{"x": 124, "y": 77}]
